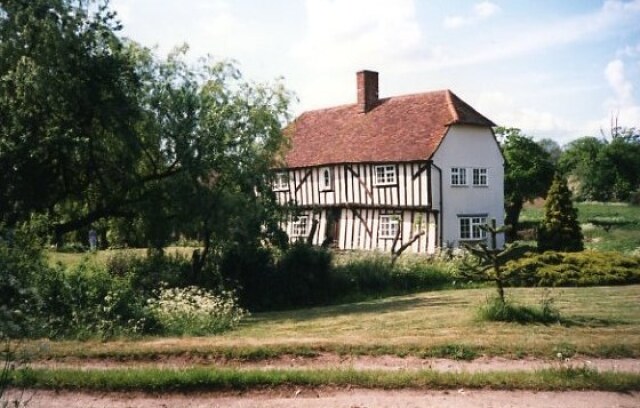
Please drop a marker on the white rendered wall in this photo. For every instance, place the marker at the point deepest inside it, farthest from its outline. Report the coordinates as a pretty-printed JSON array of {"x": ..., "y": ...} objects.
[{"x": 469, "y": 147}]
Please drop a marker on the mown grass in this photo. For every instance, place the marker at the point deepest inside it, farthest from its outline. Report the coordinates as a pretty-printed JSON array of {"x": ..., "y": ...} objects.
[
  {"x": 624, "y": 235},
  {"x": 100, "y": 258},
  {"x": 596, "y": 321},
  {"x": 209, "y": 379}
]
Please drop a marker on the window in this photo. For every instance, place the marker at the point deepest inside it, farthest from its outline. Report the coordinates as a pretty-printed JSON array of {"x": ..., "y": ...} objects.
[
  {"x": 458, "y": 176},
  {"x": 385, "y": 175},
  {"x": 470, "y": 227},
  {"x": 281, "y": 181},
  {"x": 389, "y": 225},
  {"x": 480, "y": 177},
  {"x": 299, "y": 226},
  {"x": 326, "y": 179}
]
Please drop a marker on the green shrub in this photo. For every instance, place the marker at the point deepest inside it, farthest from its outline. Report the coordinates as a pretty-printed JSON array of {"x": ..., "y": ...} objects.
[
  {"x": 146, "y": 272},
  {"x": 497, "y": 311},
  {"x": 303, "y": 275},
  {"x": 195, "y": 311},
  {"x": 587, "y": 268},
  {"x": 374, "y": 275},
  {"x": 86, "y": 302},
  {"x": 21, "y": 262}
]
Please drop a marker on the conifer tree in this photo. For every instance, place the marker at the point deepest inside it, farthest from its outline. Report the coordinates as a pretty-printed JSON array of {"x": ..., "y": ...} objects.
[{"x": 560, "y": 230}]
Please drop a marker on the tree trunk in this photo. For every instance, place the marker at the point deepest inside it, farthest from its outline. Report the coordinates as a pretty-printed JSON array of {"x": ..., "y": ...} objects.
[{"x": 513, "y": 210}]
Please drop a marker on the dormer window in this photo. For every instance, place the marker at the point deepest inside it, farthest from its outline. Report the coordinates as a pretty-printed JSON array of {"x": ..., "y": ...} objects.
[
  {"x": 281, "y": 181},
  {"x": 385, "y": 175},
  {"x": 326, "y": 179}
]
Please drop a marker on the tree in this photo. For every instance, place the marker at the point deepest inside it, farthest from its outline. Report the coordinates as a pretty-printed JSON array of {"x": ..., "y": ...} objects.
[
  {"x": 68, "y": 110},
  {"x": 578, "y": 162},
  {"x": 553, "y": 148},
  {"x": 528, "y": 173},
  {"x": 560, "y": 230},
  {"x": 603, "y": 169},
  {"x": 94, "y": 128},
  {"x": 487, "y": 262}
]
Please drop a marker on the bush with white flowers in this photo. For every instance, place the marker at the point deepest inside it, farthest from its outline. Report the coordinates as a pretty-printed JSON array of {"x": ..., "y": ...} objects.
[{"x": 195, "y": 311}]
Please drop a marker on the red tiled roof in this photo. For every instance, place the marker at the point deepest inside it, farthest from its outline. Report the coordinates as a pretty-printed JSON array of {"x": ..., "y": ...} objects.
[{"x": 401, "y": 128}]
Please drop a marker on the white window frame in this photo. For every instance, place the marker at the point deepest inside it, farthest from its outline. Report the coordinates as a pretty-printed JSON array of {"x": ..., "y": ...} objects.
[
  {"x": 385, "y": 175},
  {"x": 388, "y": 226},
  {"x": 300, "y": 226},
  {"x": 480, "y": 177},
  {"x": 281, "y": 181},
  {"x": 458, "y": 176},
  {"x": 326, "y": 179},
  {"x": 469, "y": 227}
]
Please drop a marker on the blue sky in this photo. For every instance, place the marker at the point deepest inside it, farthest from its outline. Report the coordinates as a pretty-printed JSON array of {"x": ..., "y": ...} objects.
[{"x": 556, "y": 69}]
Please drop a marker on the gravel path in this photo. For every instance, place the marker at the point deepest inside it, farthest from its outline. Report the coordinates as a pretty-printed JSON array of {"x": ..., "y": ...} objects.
[
  {"x": 328, "y": 360},
  {"x": 353, "y": 398}
]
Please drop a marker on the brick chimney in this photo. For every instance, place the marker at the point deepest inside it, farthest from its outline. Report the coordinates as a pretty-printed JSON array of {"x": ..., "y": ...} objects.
[{"x": 367, "y": 90}]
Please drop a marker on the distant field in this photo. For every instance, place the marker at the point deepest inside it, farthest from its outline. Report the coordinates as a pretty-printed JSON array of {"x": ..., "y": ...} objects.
[
  {"x": 623, "y": 236},
  {"x": 69, "y": 259}
]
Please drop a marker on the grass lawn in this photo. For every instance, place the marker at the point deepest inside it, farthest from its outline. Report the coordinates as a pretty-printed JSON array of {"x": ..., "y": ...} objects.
[
  {"x": 71, "y": 259},
  {"x": 598, "y": 321}
]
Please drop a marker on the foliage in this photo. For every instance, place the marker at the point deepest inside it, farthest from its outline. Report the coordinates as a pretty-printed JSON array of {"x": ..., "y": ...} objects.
[
  {"x": 21, "y": 263},
  {"x": 99, "y": 133},
  {"x": 603, "y": 169},
  {"x": 588, "y": 268},
  {"x": 528, "y": 172},
  {"x": 560, "y": 229},
  {"x": 376, "y": 275},
  {"x": 86, "y": 301},
  {"x": 67, "y": 107},
  {"x": 195, "y": 311},
  {"x": 496, "y": 310},
  {"x": 487, "y": 263}
]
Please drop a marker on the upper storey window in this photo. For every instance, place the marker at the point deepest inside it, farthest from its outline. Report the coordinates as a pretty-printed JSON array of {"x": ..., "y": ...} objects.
[
  {"x": 458, "y": 176},
  {"x": 385, "y": 175},
  {"x": 326, "y": 179},
  {"x": 480, "y": 177},
  {"x": 281, "y": 181}
]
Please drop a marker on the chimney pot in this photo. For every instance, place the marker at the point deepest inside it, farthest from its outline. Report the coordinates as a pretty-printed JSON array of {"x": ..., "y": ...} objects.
[{"x": 367, "y": 90}]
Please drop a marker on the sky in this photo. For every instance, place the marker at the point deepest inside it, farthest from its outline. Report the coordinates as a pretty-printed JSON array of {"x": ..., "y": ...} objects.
[{"x": 555, "y": 69}]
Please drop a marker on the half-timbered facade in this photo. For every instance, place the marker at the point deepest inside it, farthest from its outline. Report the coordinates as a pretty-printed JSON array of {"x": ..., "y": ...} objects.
[{"x": 424, "y": 168}]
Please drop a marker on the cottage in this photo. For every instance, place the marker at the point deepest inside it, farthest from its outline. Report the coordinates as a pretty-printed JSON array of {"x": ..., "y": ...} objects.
[{"x": 423, "y": 169}]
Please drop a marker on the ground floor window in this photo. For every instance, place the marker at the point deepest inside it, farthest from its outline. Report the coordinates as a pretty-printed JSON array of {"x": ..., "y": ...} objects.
[
  {"x": 389, "y": 225},
  {"x": 299, "y": 226},
  {"x": 470, "y": 227}
]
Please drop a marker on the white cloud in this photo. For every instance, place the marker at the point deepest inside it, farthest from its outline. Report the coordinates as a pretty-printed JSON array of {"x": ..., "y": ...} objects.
[
  {"x": 504, "y": 110},
  {"x": 481, "y": 11},
  {"x": 348, "y": 36},
  {"x": 526, "y": 39},
  {"x": 623, "y": 107},
  {"x": 623, "y": 88},
  {"x": 209, "y": 27}
]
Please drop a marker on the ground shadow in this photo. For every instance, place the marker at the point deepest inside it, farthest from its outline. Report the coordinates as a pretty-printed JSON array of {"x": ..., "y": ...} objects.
[
  {"x": 379, "y": 306},
  {"x": 588, "y": 321}
]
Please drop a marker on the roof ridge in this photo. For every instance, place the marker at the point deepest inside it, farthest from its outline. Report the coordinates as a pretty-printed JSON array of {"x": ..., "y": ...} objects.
[{"x": 452, "y": 108}]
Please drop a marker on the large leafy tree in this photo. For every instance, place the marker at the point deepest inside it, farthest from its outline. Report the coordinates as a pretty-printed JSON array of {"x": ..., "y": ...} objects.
[
  {"x": 601, "y": 169},
  {"x": 578, "y": 163},
  {"x": 68, "y": 108},
  {"x": 94, "y": 128},
  {"x": 528, "y": 173}
]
